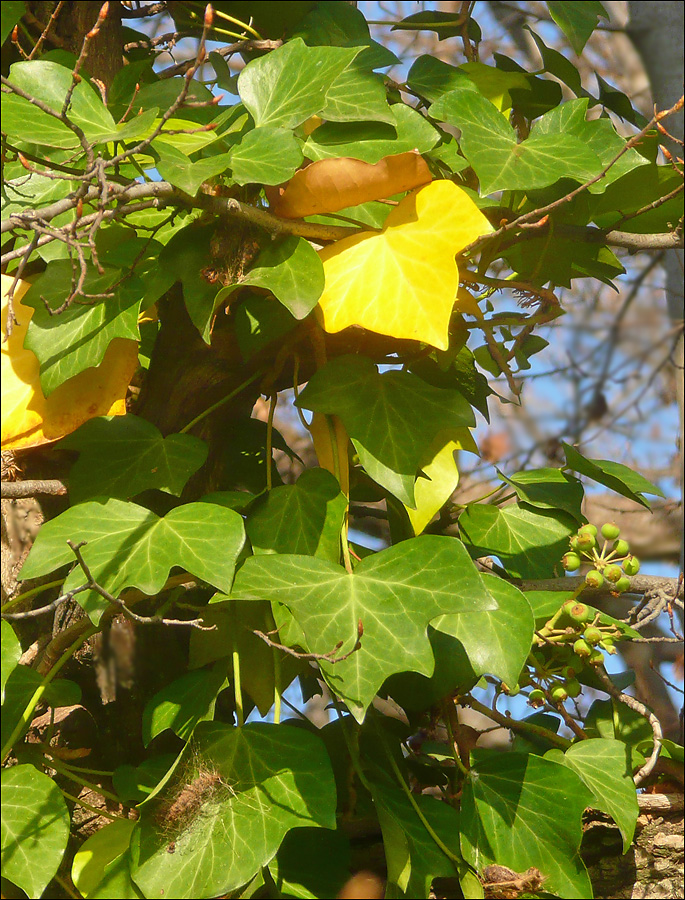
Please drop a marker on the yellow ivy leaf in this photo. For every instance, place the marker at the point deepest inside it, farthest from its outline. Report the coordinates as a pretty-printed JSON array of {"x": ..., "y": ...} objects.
[
  {"x": 321, "y": 427},
  {"x": 495, "y": 84},
  {"x": 403, "y": 281},
  {"x": 28, "y": 418},
  {"x": 441, "y": 476}
]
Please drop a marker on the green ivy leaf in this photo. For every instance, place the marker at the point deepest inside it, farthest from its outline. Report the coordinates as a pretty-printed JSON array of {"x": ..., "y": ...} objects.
[
  {"x": 11, "y": 654},
  {"x": 288, "y": 85},
  {"x": 614, "y": 721},
  {"x": 413, "y": 858},
  {"x": 266, "y": 155},
  {"x": 179, "y": 706},
  {"x": 613, "y": 475},
  {"x": 35, "y": 828},
  {"x": 510, "y": 816},
  {"x": 601, "y": 766},
  {"x": 120, "y": 456},
  {"x": 304, "y": 518},
  {"x": 129, "y": 546},
  {"x": 636, "y": 190},
  {"x": 556, "y": 64},
  {"x": 395, "y": 594},
  {"x": 501, "y": 163},
  {"x": 599, "y": 135},
  {"x": 391, "y": 418},
  {"x": 497, "y": 642},
  {"x": 577, "y": 20},
  {"x": 100, "y": 870},
  {"x": 50, "y": 82},
  {"x": 291, "y": 270},
  {"x": 432, "y": 78},
  {"x": 259, "y": 322},
  {"x": 183, "y": 258},
  {"x": 529, "y": 542},
  {"x": 78, "y": 338},
  {"x": 183, "y": 173},
  {"x": 563, "y": 259},
  {"x": 357, "y": 95},
  {"x": 548, "y": 489},
  {"x": 371, "y": 142},
  {"x": 311, "y": 863},
  {"x": 273, "y": 779},
  {"x": 32, "y": 191},
  {"x": 343, "y": 25},
  {"x": 10, "y": 14}
]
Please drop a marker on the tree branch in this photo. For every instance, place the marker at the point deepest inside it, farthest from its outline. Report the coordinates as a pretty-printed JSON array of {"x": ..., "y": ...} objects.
[{"x": 13, "y": 490}]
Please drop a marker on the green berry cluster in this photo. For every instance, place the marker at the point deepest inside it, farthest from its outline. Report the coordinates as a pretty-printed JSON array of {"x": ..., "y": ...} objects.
[
  {"x": 572, "y": 641},
  {"x": 612, "y": 562}
]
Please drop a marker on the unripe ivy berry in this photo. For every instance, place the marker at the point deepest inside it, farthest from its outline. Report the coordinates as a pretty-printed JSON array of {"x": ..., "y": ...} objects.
[
  {"x": 608, "y": 645},
  {"x": 613, "y": 573},
  {"x": 571, "y": 671},
  {"x": 582, "y": 649},
  {"x": 631, "y": 565},
  {"x": 536, "y": 696},
  {"x": 623, "y": 584},
  {"x": 592, "y": 635},
  {"x": 573, "y": 688},
  {"x": 621, "y": 548},
  {"x": 597, "y": 658},
  {"x": 594, "y": 578},
  {"x": 559, "y": 693},
  {"x": 577, "y": 612},
  {"x": 570, "y": 561},
  {"x": 589, "y": 528},
  {"x": 610, "y": 531},
  {"x": 585, "y": 542}
]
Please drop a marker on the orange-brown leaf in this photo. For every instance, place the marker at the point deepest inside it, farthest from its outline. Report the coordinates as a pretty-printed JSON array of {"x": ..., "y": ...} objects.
[{"x": 332, "y": 184}]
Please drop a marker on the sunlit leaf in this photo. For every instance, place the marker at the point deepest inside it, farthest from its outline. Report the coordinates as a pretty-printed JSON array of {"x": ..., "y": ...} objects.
[
  {"x": 101, "y": 868},
  {"x": 332, "y": 184},
  {"x": 395, "y": 594},
  {"x": 613, "y": 475},
  {"x": 391, "y": 417},
  {"x": 11, "y": 653},
  {"x": 265, "y": 155},
  {"x": 403, "y": 282},
  {"x": 28, "y": 418},
  {"x": 35, "y": 828},
  {"x": 577, "y": 20}
]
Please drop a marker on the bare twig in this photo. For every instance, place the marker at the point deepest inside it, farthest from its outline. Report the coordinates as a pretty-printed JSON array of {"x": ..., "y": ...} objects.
[
  {"x": 46, "y": 31},
  {"x": 329, "y": 657}
]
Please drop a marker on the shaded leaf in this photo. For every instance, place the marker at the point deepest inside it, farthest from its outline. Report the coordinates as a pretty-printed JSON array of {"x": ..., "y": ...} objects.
[
  {"x": 288, "y": 85},
  {"x": 333, "y": 184},
  {"x": 614, "y": 721},
  {"x": 613, "y": 475},
  {"x": 11, "y": 12},
  {"x": 391, "y": 418},
  {"x": 28, "y": 417},
  {"x": 501, "y": 163},
  {"x": 120, "y": 457},
  {"x": 291, "y": 270},
  {"x": 35, "y": 828},
  {"x": 548, "y": 489},
  {"x": 305, "y": 517},
  {"x": 601, "y": 766},
  {"x": 129, "y": 546},
  {"x": 529, "y": 542},
  {"x": 510, "y": 816},
  {"x": 311, "y": 863},
  {"x": 395, "y": 593},
  {"x": 11, "y": 654},
  {"x": 559, "y": 260},
  {"x": 403, "y": 282},
  {"x": 372, "y": 141},
  {"x": 431, "y": 78},
  {"x": 556, "y": 64},
  {"x": 272, "y": 779},
  {"x": 577, "y": 20}
]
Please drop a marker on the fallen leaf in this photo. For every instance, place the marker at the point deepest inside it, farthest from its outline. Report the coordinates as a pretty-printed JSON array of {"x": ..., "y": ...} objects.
[
  {"x": 332, "y": 184},
  {"x": 403, "y": 282},
  {"x": 28, "y": 418}
]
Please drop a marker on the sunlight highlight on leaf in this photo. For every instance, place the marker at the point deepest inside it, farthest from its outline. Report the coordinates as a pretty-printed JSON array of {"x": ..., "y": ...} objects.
[
  {"x": 403, "y": 282},
  {"x": 28, "y": 418}
]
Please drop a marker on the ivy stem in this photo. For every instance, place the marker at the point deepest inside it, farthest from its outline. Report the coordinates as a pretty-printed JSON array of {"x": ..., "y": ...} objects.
[
  {"x": 100, "y": 812},
  {"x": 235, "y": 658},
  {"x": 32, "y": 593},
  {"x": 56, "y": 764},
  {"x": 417, "y": 809},
  {"x": 269, "y": 439},
  {"x": 26, "y": 716},
  {"x": 351, "y": 743},
  {"x": 226, "y": 399},
  {"x": 525, "y": 728},
  {"x": 448, "y": 715}
]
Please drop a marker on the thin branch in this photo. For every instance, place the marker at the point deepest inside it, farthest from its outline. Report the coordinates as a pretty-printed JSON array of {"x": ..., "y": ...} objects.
[
  {"x": 329, "y": 657},
  {"x": 12, "y": 490},
  {"x": 51, "y": 21}
]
